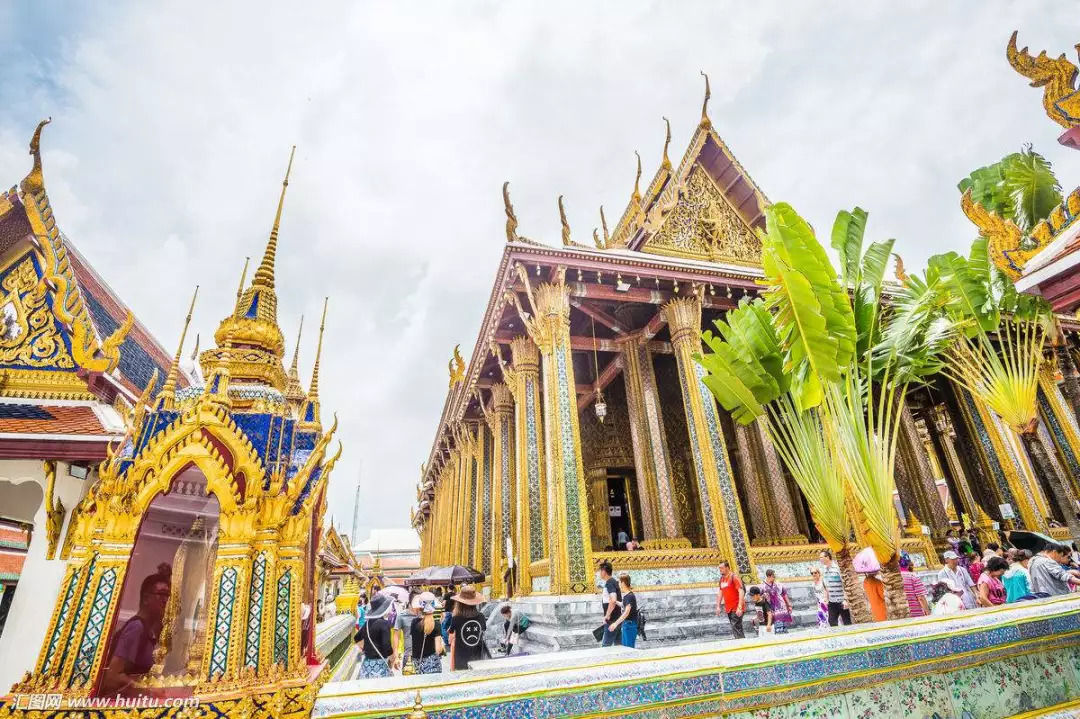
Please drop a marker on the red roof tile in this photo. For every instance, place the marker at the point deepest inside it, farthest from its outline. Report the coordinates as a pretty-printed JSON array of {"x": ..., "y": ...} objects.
[
  {"x": 49, "y": 419},
  {"x": 11, "y": 563}
]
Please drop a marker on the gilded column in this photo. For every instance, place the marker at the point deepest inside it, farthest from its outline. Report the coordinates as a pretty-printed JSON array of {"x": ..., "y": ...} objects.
[
  {"x": 227, "y": 610},
  {"x": 529, "y": 452},
  {"x": 653, "y": 466},
  {"x": 781, "y": 505},
  {"x": 482, "y": 550},
  {"x": 723, "y": 519},
  {"x": 500, "y": 422},
  {"x": 568, "y": 516},
  {"x": 596, "y": 481},
  {"x": 753, "y": 487},
  {"x": 920, "y": 474},
  {"x": 453, "y": 525},
  {"x": 1060, "y": 422}
]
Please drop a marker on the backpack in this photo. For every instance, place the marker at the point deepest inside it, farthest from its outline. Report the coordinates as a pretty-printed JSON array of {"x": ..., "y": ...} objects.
[{"x": 523, "y": 623}]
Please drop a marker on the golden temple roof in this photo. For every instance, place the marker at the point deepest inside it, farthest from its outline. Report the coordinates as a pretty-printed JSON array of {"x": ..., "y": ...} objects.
[{"x": 294, "y": 390}]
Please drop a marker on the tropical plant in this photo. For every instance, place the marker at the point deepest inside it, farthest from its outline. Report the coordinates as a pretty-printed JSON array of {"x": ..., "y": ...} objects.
[
  {"x": 816, "y": 362},
  {"x": 1000, "y": 355},
  {"x": 1020, "y": 187}
]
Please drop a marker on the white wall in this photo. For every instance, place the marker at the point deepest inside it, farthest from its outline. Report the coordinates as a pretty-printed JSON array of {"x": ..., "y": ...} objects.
[{"x": 39, "y": 584}]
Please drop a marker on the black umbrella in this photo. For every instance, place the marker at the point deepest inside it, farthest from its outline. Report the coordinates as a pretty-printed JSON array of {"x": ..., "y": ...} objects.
[
  {"x": 456, "y": 574},
  {"x": 1033, "y": 541},
  {"x": 420, "y": 577}
]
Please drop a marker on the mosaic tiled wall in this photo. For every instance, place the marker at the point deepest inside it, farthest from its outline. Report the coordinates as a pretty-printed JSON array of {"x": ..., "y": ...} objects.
[{"x": 988, "y": 664}]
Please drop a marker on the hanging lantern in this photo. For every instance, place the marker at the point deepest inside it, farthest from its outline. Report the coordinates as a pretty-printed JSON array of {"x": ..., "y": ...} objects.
[{"x": 600, "y": 406}]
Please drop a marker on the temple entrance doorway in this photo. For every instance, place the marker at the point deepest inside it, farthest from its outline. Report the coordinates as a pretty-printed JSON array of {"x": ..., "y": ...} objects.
[{"x": 624, "y": 508}]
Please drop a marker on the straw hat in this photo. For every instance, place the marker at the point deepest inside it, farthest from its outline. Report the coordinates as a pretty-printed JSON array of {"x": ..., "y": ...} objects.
[{"x": 468, "y": 595}]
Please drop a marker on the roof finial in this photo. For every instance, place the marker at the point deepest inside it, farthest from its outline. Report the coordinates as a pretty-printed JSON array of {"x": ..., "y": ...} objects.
[
  {"x": 313, "y": 390},
  {"x": 35, "y": 181},
  {"x": 705, "y": 122},
  {"x": 603, "y": 223},
  {"x": 666, "y": 163},
  {"x": 596, "y": 239},
  {"x": 168, "y": 390},
  {"x": 511, "y": 218},
  {"x": 265, "y": 274},
  {"x": 296, "y": 350},
  {"x": 243, "y": 279},
  {"x": 565, "y": 225},
  {"x": 636, "y": 197}
]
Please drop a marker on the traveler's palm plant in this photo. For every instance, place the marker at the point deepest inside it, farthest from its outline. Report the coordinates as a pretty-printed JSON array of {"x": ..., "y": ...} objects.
[
  {"x": 1002, "y": 352},
  {"x": 828, "y": 376}
]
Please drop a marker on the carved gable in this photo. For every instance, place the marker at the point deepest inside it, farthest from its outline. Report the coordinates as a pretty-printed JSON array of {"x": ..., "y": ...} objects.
[{"x": 703, "y": 225}]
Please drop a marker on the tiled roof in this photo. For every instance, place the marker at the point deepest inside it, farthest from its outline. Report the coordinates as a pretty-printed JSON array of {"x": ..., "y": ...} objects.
[
  {"x": 11, "y": 564},
  {"x": 140, "y": 353},
  {"x": 49, "y": 419},
  {"x": 15, "y": 537}
]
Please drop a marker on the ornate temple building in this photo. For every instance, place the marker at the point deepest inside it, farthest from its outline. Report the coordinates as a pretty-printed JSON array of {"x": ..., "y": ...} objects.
[
  {"x": 581, "y": 418},
  {"x": 191, "y": 553},
  {"x": 73, "y": 361}
]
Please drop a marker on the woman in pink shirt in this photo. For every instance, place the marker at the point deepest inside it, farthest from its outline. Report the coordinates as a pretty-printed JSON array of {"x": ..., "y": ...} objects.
[{"x": 991, "y": 590}]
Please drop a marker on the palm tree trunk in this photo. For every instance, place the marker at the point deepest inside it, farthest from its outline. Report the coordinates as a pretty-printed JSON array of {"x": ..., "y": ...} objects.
[
  {"x": 1071, "y": 386},
  {"x": 1062, "y": 497},
  {"x": 896, "y": 605},
  {"x": 853, "y": 590}
]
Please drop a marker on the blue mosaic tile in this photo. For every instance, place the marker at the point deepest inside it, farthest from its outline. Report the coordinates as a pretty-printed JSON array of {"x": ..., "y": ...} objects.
[
  {"x": 1004, "y": 635},
  {"x": 635, "y": 695},
  {"x": 800, "y": 671},
  {"x": 1065, "y": 623},
  {"x": 969, "y": 641},
  {"x": 305, "y": 441},
  {"x": 1038, "y": 628},
  {"x": 568, "y": 705},
  {"x": 747, "y": 679},
  {"x": 883, "y": 657},
  {"x": 932, "y": 649},
  {"x": 135, "y": 364},
  {"x": 1058, "y": 432},
  {"x": 693, "y": 687},
  {"x": 519, "y": 709}
]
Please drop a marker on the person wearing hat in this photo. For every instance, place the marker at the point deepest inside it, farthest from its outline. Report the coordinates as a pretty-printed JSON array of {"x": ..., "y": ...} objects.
[
  {"x": 946, "y": 596},
  {"x": 374, "y": 640},
  {"x": 959, "y": 576},
  {"x": 466, "y": 628},
  {"x": 427, "y": 643}
]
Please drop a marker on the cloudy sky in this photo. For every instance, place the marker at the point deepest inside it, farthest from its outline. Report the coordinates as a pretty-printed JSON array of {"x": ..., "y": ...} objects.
[{"x": 172, "y": 123}]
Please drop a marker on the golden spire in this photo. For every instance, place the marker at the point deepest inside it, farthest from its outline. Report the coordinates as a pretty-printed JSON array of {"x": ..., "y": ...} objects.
[
  {"x": 310, "y": 411},
  {"x": 511, "y": 218},
  {"x": 167, "y": 396},
  {"x": 705, "y": 122},
  {"x": 294, "y": 391},
  {"x": 565, "y": 225},
  {"x": 635, "y": 198},
  {"x": 265, "y": 274},
  {"x": 666, "y": 163},
  {"x": 35, "y": 181},
  {"x": 603, "y": 223},
  {"x": 243, "y": 279}
]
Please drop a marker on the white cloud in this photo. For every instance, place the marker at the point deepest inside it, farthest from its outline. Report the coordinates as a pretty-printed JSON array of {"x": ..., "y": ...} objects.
[{"x": 173, "y": 122}]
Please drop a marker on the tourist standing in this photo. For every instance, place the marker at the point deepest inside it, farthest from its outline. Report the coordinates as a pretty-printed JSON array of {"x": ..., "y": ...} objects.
[
  {"x": 374, "y": 639},
  {"x": 974, "y": 565},
  {"x": 778, "y": 598},
  {"x": 1048, "y": 577},
  {"x": 914, "y": 589},
  {"x": 991, "y": 590},
  {"x": 627, "y": 623},
  {"x": 959, "y": 576},
  {"x": 730, "y": 599},
  {"x": 1017, "y": 581},
  {"x": 764, "y": 608},
  {"x": 426, "y": 641},
  {"x": 514, "y": 626},
  {"x": 467, "y": 627},
  {"x": 448, "y": 613},
  {"x": 947, "y": 598},
  {"x": 834, "y": 585},
  {"x": 609, "y": 603},
  {"x": 822, "y": 594},
  {"x": 621, "y": 539}
]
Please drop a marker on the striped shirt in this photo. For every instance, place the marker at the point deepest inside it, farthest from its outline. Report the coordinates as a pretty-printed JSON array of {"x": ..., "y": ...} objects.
[
  {"x": 913, "y": 589},
  {"x": 834, "y": 583}
]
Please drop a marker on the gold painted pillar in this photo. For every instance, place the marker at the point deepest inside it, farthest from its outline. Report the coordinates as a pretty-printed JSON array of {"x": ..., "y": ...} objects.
[
  {"x": 944, "y": 436},
  {"x": 259, "y": 648},
  {"x": 781, "y": 504},
  {"x": 1060, "y": 423},
  {"x": 920, "y": 476},
  {"x": 482, "y": 502},
  {"x": 529, "y": 451},
  {"x": 599, "y": 520},
  {"x": 660, "y": 516},
  {"x": 568, "y": 515},
  {"x": 723, "y": 518},
  {"x": 501, "y": 424}
]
